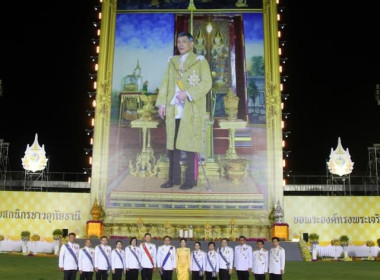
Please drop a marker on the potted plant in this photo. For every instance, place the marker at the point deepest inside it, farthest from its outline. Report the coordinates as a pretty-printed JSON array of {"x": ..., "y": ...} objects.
[
  {"x": 370, "y": 244},
  {"x": 378, "y": 254},
  {"x": 314, "y": 240},
  {"x": 1, "y": 239},
  {"x": 57, "y": 235},
  {"x": 335, "y": 242},
  {"x": 344, "y": 239},
  {"x": 25, "y": 237},
  {"x": 33, "y": 246}
]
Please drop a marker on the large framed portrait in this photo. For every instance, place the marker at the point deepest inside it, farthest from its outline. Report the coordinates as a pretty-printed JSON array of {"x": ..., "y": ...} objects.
[{"x": 239, "y": 170}]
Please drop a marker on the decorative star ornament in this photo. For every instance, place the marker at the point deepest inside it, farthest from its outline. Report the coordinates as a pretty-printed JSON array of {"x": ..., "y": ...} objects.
[{"x": 193, "y": 79}]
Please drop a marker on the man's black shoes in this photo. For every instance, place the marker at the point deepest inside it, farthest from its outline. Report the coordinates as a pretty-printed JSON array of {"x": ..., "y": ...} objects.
[
  {"x": 184, "y": 186},
  {"x": 187, "y": 185},
  {"x": 169, "y": 184}
]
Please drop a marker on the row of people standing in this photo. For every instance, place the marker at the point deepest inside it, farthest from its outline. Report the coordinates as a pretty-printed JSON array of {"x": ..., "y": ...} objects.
[{"x": 166, "y": 259}]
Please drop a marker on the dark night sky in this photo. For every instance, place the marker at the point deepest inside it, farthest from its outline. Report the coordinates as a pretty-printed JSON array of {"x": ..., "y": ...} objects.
[{"x": 333, "y": 67}]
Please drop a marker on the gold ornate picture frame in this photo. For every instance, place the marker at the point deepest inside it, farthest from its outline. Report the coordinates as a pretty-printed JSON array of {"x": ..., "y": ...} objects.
[{"x": 203, "y": 207}]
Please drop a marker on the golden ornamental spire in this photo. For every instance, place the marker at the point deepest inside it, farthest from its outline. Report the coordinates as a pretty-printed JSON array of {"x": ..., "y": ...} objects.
[
  {"x": 191, "y": 6},
  {"x": 95, "y": 211}
]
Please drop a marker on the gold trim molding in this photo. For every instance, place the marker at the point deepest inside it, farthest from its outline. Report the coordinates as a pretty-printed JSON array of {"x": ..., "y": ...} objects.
[{"x": 220, "y": 216}]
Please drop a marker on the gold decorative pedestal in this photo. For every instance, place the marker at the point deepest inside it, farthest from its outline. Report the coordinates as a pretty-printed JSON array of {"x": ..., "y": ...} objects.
[
  {"x": 94, "y": 228},
  {"x": 280, "y": 230},
  {"x": 202, "y": 230},
  {"x": 232, "y": 125},
  {"x": 145, "y": 161}
]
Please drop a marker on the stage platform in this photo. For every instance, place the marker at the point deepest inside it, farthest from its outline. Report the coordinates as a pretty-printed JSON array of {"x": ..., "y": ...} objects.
[{"x": 135, "y": 192}]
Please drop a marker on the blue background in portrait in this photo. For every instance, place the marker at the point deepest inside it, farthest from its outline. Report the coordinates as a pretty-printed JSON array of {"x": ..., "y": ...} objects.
[
  {"x": 254, "y": 59},
  {"x": 146, "y": 38},
  {"x": 147, "y": 31}
]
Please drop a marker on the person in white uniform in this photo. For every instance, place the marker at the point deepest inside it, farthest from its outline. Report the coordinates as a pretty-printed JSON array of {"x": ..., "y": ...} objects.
[
  {"x": 212, "y": 262},
  {"x": 86, "y": 261},
  {"x": 102, "y": 259},
  {"x": 226, "y": 260},
  {"x": 243, "y": 259},
  {"x": 197, "y": 262},
  {"x": 117, "y": 261},
  {"x": 166, "y": 259},
  {"x": 147, "y": 257},
  {"x": 68, "y": 258},
  {"x": 132, "y": 261},
  {"x": 276, "y": 260},
  {"x": 260, "y": 261}
]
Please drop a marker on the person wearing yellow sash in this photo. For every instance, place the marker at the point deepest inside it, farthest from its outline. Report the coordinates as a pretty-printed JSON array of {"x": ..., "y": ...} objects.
[
  {"x": 183, "y": 261},
  {"x": 182, "y": 103}
]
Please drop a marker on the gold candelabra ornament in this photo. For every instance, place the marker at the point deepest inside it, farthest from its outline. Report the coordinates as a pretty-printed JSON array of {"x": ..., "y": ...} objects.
[{"x": 231, "y": 103}]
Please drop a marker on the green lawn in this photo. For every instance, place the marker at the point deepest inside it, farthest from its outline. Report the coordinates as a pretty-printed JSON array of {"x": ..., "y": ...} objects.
[{"x": 17, "y": 267}]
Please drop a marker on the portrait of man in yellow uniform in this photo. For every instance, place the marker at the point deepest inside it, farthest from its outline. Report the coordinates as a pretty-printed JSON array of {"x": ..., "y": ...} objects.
[{"x": 182, "y": 103}]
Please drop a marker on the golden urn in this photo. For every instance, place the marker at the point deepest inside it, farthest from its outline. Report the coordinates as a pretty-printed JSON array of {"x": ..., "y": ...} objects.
[
  {"x": 148, "y": 112},
  {"x": 231, "y": 103},
  {"x": 236, "y": 170}
]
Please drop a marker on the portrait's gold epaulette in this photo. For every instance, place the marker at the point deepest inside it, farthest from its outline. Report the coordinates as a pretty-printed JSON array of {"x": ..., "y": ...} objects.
[
  {"x": 280, "y": 248},
  {"x": 265, "y": 250}
]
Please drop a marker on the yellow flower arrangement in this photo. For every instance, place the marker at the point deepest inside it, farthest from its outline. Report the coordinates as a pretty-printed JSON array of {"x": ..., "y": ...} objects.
[
  {"x": 35, "y": 237},
  {"x": 1, "y": 237},
  {"x": 370, "y": 243},
  {"x": 305, "y": 251},
  {"x": 335, "y": 242}
]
